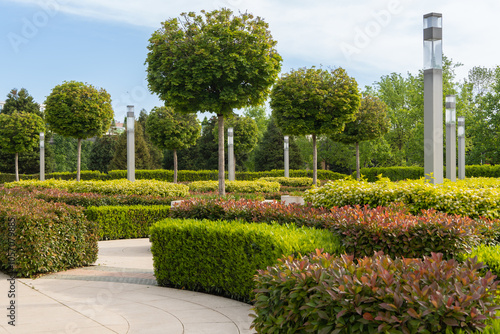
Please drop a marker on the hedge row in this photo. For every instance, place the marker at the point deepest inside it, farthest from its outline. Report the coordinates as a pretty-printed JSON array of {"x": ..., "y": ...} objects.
[
  {"x": 414, "y": 173},
  {"x": 125, "y": 222},
  {"x": 470, "y": 197},
  {"x": 39, "y": 237},
  {"x": 363, "y": 230},
  {"x": 222, "y": 257},
  {"x": 327, "y": 294},
  {"x": 290, "y": 181},
  {"x": 168, "y": 175},
  {"x": 236, "y": 186},
  {"x": 111, "y": 187}
]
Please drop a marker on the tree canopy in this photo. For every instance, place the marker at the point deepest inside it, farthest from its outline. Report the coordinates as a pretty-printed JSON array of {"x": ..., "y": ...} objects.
[
  {"x": 20, "y": 100},
  {"x": 371, "y": 122},
  {"x": 172, "y": 131},
  {"x": 77, "y": 110},
  {"x": 213, "y": 62},
  {"x": 314, "y": 102},
  {"x": 20, "y": 132}
]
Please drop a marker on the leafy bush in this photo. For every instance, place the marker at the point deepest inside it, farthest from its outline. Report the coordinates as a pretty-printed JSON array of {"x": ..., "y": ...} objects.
[
  {"x": 125, "y": 222},
  {"x": 488, "y": 255},
  {"x": 92, "y": 199},
  {"x": 327, "y": 294},
  {"x": 290, "y": 181},
  {"x": 44, "y": 237},
  {"x": 222, "y": 257},
  {"x": 250, "y": 211},
  {"x": 414, "y": 173},
  {"x": 112, "y": 187},
  {"x": 393, "y": 173},
  {"x": 470, "y": 197},
  {"x": 236, "y": 186},
  {"x": 363, "y": 230}
]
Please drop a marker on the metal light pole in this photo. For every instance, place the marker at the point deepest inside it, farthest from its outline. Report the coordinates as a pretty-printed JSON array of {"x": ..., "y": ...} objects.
[
  {"x": 230, "y": 154},
  {"x": 287, "y": 156},
  {"x": 130, "y": 144},
  {"x": 451, "y": 150},
  {"x": 433, "y": 98},
  {"x": 42, "y": 156},
  {"x": 461, "y": 147}
]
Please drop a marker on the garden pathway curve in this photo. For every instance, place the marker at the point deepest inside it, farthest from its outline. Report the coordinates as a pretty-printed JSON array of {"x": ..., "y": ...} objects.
[{"x": 117, "y": 295}]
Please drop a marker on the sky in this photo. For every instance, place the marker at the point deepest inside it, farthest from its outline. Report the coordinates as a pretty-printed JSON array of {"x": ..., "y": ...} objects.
[{"x": 104, "y": 42}]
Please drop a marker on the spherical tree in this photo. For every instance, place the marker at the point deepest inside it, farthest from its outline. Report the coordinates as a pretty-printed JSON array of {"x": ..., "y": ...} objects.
[
  {"x": 213, "y": 62},
  {"x": 20, "y": 132},
  {"x": 371, "y": 122},
  {"x": 314, "y": 102},
  {"x": 74, "y": 109},
  {"x": 169, "y": 130}
]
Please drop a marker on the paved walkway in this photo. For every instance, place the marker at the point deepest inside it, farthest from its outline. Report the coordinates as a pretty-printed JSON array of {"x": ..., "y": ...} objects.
[{"x": 117, "y": 295}]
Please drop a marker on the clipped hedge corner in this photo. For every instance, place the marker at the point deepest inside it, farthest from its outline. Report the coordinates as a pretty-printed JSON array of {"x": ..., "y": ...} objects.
[
  {"x": 39, "y": 237},
  {"x": 126, "y": 222},
  {"x": 221, "y": 257}
]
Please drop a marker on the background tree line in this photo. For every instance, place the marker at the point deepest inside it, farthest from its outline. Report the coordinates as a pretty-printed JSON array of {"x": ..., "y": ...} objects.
[{"x": 259, "y": 142}]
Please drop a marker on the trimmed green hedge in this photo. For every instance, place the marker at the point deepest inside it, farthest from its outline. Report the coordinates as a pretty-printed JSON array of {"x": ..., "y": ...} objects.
[
  {"x": 470, "y": 197},
  {"x": 362, "y": 230},
  {"x": 393, "y": 173},
  {"x": 290, "y": 181},
  {"x": 126, "y": 222},
  {"x": 222, "y": 257},
  {"x": 213, "y": 175},
  {"x": 414, "y": 173},
  {"x": 44, "y": 237},
  {"x": 328, "y": 294},
  {"x": 236, "y": 186},
  {"x": 111, "y": 187}
]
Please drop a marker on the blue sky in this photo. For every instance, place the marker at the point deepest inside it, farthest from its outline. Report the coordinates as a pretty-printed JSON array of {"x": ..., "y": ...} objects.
[{"x": 103, "y": 42}]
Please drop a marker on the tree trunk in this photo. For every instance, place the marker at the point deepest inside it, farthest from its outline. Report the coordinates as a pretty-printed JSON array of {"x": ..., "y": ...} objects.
[
  {"x": 315, "y": 161},
  {"x": 16, "y": 163},
  {"x": 222, "y": 174},
  {"x": 78, "y": 159},
  {"x": 358, "y": 174},
  {"x": 175, "y": 166}
]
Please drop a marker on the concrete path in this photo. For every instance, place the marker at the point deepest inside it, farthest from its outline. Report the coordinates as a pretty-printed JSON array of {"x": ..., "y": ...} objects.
[{"x": 117, "y": 295}]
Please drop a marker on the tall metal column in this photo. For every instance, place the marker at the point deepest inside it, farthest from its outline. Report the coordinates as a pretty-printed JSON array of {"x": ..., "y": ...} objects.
[
  {"x": 433, "y": 98},
  {"x": 287, "y": 156},
  {"x": 461, "y": 147},
  {"x": 42, "y": 156},
  {"x": 451, "y": 137},
  {"x": 130, "y": 144},
  {"x": 230, "y": 155}
]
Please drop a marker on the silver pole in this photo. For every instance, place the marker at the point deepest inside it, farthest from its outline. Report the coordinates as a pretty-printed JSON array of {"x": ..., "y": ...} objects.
[
  {"x": 230, "y": 154},
  {"x": 130, "y": 144},
  {"x": 451, "y": 149},
  {"x": 461, "y": 147},
  {"x": 287, "y": 157},
  {"x": 433, "y": 98},
  {"x": 42, "y": 156}
]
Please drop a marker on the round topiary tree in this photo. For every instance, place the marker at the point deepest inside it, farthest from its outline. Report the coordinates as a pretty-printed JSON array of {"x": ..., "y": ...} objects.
[
  {"x": 314, "y": 102},
  {"x": 74, "y": 109},
  {"x": 169, "y": 130},
  {"x": 213, "y": 62},
  {"x": 20, "y": 132}
]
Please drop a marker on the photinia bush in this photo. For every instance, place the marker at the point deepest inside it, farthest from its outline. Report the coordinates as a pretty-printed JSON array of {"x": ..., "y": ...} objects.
[{"x": 326, "y": 294}]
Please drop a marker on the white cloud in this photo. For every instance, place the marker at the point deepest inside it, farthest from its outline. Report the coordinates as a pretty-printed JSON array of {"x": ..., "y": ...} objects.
[{"x": 380, "y": 36}]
